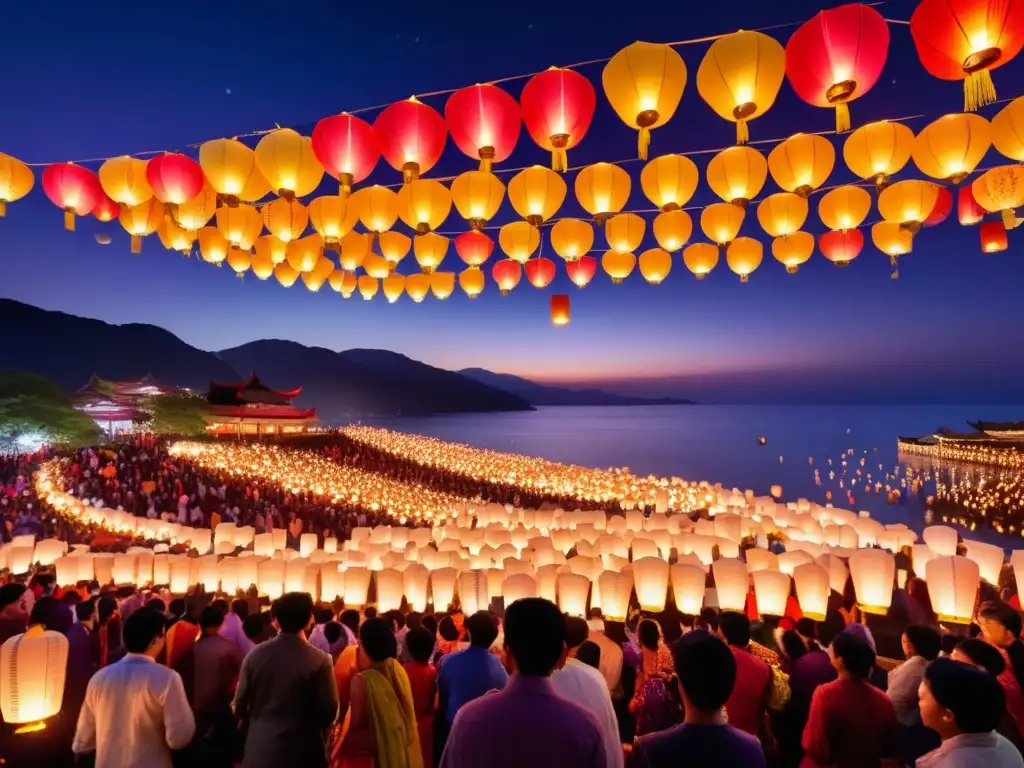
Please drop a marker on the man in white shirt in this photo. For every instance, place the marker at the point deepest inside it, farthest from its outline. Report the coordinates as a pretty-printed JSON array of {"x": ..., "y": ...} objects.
[
  {"x": 135, "y": 711},
  {"x": 587, "y": 687}
]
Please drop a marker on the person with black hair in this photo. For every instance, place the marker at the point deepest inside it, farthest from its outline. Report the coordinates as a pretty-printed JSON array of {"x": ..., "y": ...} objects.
[
  {"x": 1000, "y": 626},
  {"x": 470, "y": 673},
  {"x": 182, "y": 634},
  {"x": 286, "y": 693},
  {"x": 253, "y": 626},
  {"x": 963, "y": 705},
  {"x": 15, "y": 604},
  {"x": 851, "y": 722},
  {"x": 981, "y": 655},
  {"x": 808, "y": 667},
  {"x": 590, "y": 654},
  {"x": 135, "y": 711},
  {"x": 748, "y": 703},
  {"x": 316, "y": 638},
  {"x": 335, "y": 637},
  {"x": 921, "y": 644},
  {"x": 527, "y": 724},
  {"x": 419, "y": 644},
  {"x": 707, "y": 673}
]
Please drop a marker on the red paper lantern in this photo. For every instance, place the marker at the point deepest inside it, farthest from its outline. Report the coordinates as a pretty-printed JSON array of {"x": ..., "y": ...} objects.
[
  {"x": 993, "y": 236},
  {"x": 484, "y": 122},
  {"x": 558, "y": 105},
  {"x": 560, "y": 309},
  {"x": 74, "y": 189},
  {"x": 941, "y": 210},
  {"x": 347, "y": 148},
  {"x": 968, "y": 211},
  {"x": 582, "y": 270},
  {"x": 540, "y": 272},
  {"x": 965, "y": 40},
  {"x": 506, "y": 274},
  {"x": 474, "y": 247},
  {"x": 412, "y": 137},
  {"x": 175, "y": 179},
  {"x": 837, "y": 57},
  {"x": 842, "y": 246},
  {"x": 106, "y": 209}
]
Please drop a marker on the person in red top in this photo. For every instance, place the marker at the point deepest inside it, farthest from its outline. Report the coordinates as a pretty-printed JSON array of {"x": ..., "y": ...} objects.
[
  {"x": 852, "y": 724},
  {"x": 423, "y": 681},
  {"x": 748, "y": 702}
]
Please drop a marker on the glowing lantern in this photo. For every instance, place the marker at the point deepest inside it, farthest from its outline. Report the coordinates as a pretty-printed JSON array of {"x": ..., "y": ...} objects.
[
  {"x": 618, "y": 265},
  {"x": 878, "y": 150},
  {"x": 744, "y": 256},
  {"x": 141, "y": 220},
  {"x": 844, "y": 207},
  {"x": 700, "y": 259},
  {"x": 602, "y": 189},
  {"x": 107, "y": 210},
  {"x": 174, "y": 237},
  {"x": 837, "y": 57},
  {"x": 740, "y": 77},
  {"x": 317, "y": 276},
  {"x": 507, "y": 273},
  {"x": 737, "y": 174},
  {"x": 412, "y": 137},
  {"x": 429, "y": 250},
  {"x": 285, "y": 219},
  {"x": 1001, "y": 189},
  {"x": 473, "y": 592},
  {"x": 941, "y": 210},
  {"x": 424, "y": 204},
  {"x": 560, "y": 314},
  {"x": 965, "y": 40},
  {"x": 518, "y": 587},
  {"x": 474, "y": 247},
  {"x": 651, "y": 578},
  {"x": 285, "y": 274},
  {"x": 484, "y": 122},
  {"x": 417, "y": 286},
  {"x": 377, "y": 206},
  {"x": 672, "y": 229},
  {"x": 332, "y": 217},
  {"x": 355, "y": 247},
  {"x": 33, "y": 666},
  {"x": 573, "y": 589},
  {"x": 303, "y": 254},
  {"x": 782, "y": 214},
  {"x": 950, "y": 148},
  {"x": 540, "y": 272},
  {"x": 993, "y": 237},
  {"x": 195, "y": 213},
  {"x": 337, "y": 280},
  {"x": 688, "y": 587},
  {"x": 368, "y": 286},
  {"x": 953, "y": 587},
  {"x": 655, "y": 264},
  {"x": 536, "y": 193},
  {"x": 812, "y": 590},
  {"x": 793, "y": 250},
  {"x": 442, "y": 284},
  {"x": 394, "y": 246},
  {"x": 572, "y": 238},
  {"x": 376, "y": 266},
  {"x": 908, "y": 203},
  {"x": 347, "y": 148},
  {"x": 357, "y": 586},
  {"x": 472, "y": 281},
  {"x": 241, "y": 225},
  {"x": 624, "y": 232},
  {"x": 989, "y": 558},
  {"x": 968, "y": 211},
  {"x": 239, "y": 261},
  {"x": 844, "y": 246},
  {"x": 477, "y": 196},
  {"x": 581, "y": 271},
  {"x": 616, "y": 588},
  {"x": 771, "y": 590},
  {"x": 262, "y": 261},
  {"x": 721, "y": 222},
  {"x": 941, "y": 539},
  {"x": 802, "y": 163},
  {"x": 874, "y": 573},
  {"x": 558, "y": 105},
  {"x": 389, "y": 590},
  {"x": 891, "y": 238},
  {"x": 173, "y": 178},
  {"x": 73, "y": 189},
  {"x": 644, "y": 83},
  {"x": 1007, "y": 131},
  {"x": 230, "y": 167},
  {"x": 393, "y": 287},
  {"x": 669, "y": 181},
  {"x": 287, "y": 161},
  {"x": 730, "y": 584},
  {"x": 123, "y": 179},
  {"x": 519, "y": 240},
  {"x": 213, "y": 246},
  {"x": 16, "y": 180}
]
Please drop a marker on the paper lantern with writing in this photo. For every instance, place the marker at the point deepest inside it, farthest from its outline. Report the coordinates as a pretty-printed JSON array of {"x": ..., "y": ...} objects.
[
  {"x": 33, "y": 666},
  {"x": 688, "y": 588},
  {"x": 477, "y": 196},
  {"x": 572, "y": 238},
  {"x": 1007, "y": 131},
  {"x": 424, "y": 204},
  {"x": 989, "y": 558},
  {"x": 993, "y": 237},
  {"x": 517, "y": 587},
  {"x": 582, "y": 271},
  {"x": 377, "y": 207},
  {"x": 730, "y": 583},
  {"x": 874, "y": 573},
  {"x": 573, "y": 589},
  {"x": 878, "y": 150},
  {"x": 802, "y": 163},
  {"x": 672, "y": 229},
  {"x": 655, "y": 264},
  {"x": 793, "y": 250},
  {"x": 16, "y": 181},
  {"x": 843, "y": 247},
  {"x": 412, "y": 137},
  {"x": 141, "y": 220},
  {"x": 442, "y": 284},
  {"x": 771, "y": 589},
  {"x": 669, "y": 181},
  {"x": 651, "y": 579},
  {"x": 743, "y": 256},
  {"x": 539, "y": 272},
  {"x": 737, "y": 174},
  {"x": 782, "y": 214},
  {"x": 812, "y": 590},
  {"x": 73, "y": 189},
  {"x": 1001, "y": 189},
  {"x": 616, "y": 588},
  {"x": 519, "y": 240},
  {"x": 507, "y": 273},
  {"x": 950, "y": 148},
  {"x": 536, "y": 193},
  {"x": 473, "y": 592},
  {"x": 558, "y": 105},
  {"x": 618, "y": 265},
  {"x": 484, "y": 122},
  {"x": 953, "y": 587},
  {"x": 700, "y": 259},
  {"x": 347, "y": 147},
  {"x": 602, "y": 189}
]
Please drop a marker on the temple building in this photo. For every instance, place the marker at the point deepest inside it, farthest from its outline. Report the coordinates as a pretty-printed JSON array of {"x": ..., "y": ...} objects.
[
  {"x": 252, "y": 408},
  {"x": 117, "y": 406}
]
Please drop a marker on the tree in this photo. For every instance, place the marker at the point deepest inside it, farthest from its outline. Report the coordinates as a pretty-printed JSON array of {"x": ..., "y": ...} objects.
[
  {"x": 177, "y": 414},
  {"x": 35, "y": 409}
]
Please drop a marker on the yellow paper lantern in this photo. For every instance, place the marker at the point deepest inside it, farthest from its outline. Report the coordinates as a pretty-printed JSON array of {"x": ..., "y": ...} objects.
[
  {"x": 878, "y": 150},
  {"x": 618, "y": 265},
  {"x": 376, "y": 266},
  {"x": 213, "y": 246},
  {"x": 287, "y": 161},
  {"x": 1001, "y": 189},
  {"x": 196, "y": 213},
  {"x": 262, "y": 262},
  {"x": 424, "y": 204},
  {"x": 844, "y": 207},
  {"x": 377, "y": 207},
  {"x": 285, "y": 275},
  {"x": 141, "y": 220},
  {"x": 349, "y": 284},
  {"x": 429, "y": 250},
  {"x": 700, "y": 259},
  {"x": 285, "y": 219},
  {"x": 737, "y": 174},
  {"x": 602, "y": 189},
  {"x": 952, "y": 146},
  {"x": 473, "y": 593},
  {"x": 908, "y": 203},
  {"x": 230, "y": 168},
  {"x": 953, "y": 587},
  {"x": 672, "y": 229},
  {"x": 124, "y": 180},
  {"x": 874, "y": 573},
  {"x": 241, "y": 224},
  {"x": 393, "y": 287},
  {"x": 743, "y": 256},
  {"x": 174, "y": 237},
  {"x": 389, "y": 590},
  {"x": 644, "y": 83},
  {"x": 442, "y": 284},
  {"x": 740, "y": 77},
  {"x": 572, "y": 238},
  {"x": 417, "y": 286},
  {"x": 332, "y": 217},
  {"x": 892, "y": 239},
  {"x": 518, "y": 586},
  {"x": 519, "y": 240},
  {"x": 655, "y": 264},
  {"x": 472, "y": 281},
  {"x": 721, "y": 222},
  {"x": 731, "y": 581},
  {"x": 771, "y": 590},
  {"x": 16, "y": 181},
  {"x": 355, "y": 247},
  {"x": 368, "y": 286},
  {"x": 650, "y": 576},
  {"x": 793, "y": 250},
  {"x": 624, "y": 232},
  {"x": 782, "y": 214},
  {"x": 688, "y": 587},
  {"x": 669, "y": 181},
  {"x": 304, "y": 253},
  {"x": 573, "y": 589},
  {"x": 802, "y": 163},
  {"x": 316, "y": 277},
  {"x": 239, "y": 261},
  {"x": 1007, "y": 133},
  {"x": 477, "y": 196},
  {"x": 271, "y": 249},
  {"x": 615, "y": 588},
  {"x": 536, "y": 193},
  {"x": 33, "y": 666},
  {"x": 394, "y": 246},
  {"x": 812, "y": 590}
]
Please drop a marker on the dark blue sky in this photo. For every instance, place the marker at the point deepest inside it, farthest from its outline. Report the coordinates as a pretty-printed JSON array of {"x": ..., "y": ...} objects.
[{"x": 96, "y": 79}]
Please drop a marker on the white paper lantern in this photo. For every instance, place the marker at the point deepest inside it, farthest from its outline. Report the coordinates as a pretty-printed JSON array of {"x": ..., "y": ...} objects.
[
  {"x": 789, "y": 561},
  {"x": 162, "y": 569},
  {"x": 729, "y": 526},
  {"x": 650, "y": 576},
  {"x": 941, "y": 539},
  {"x": 731, "y": 582},
  {"x": 295, "y": 576},
  {"x": 495, "y": 579},
  {"x": 517, "y": 587},
  {"x": 32, "y": 670},
  {"x": 270, "y": 578},
  {"x": 812, "y": 590},
  {"x": 761, "y": 560},
  {"x": 572, "y": 593},
  {"x": 616, "y": 588},
  {"x": 953, "y": 587},
  {"x": 874, "y": 573},
  {"x": 442, "y": 588},
  {"x": 473, "y": 593},
  {"x": 357, "y": 586},
  {"x": 332, "y": 582},
  {"x": 67, "y": 570},
  {"x": 279, "y": 537},
  {"x": 307, "y": 543},
  {"x": 180, "y": 573},
  {"x": 263, "y": 544},
  {"x": 838, "y": 573},
  {"x": 989, "y": 558},
  {"x": 688, "y": 587},
  {"x": 20, "y": 558},
  {"x": 771, "y": 590},
  {"x": 390, "y": 585},
  {"x": 330, "y": 544},
  {"x": 547, "y": 582},
  {"x": 48, "y": 550},
  {"x": 644, "y": 547},
  {"x": 208, "y": 573}
]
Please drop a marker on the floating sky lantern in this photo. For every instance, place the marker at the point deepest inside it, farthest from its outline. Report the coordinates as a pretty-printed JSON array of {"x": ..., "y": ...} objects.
[
  {"x": 262, "y": 262},
  {"x": 582, "y": 270},
  {"x": 771, "y": 590},
  {"x": 141, "y": 220},
  {"x": 393, "y": 286},
  {"x": 700, "y": 259},
  {"x": 417, "y": 285},
  {"x": 175, "y": 238},
  {"x": 519, "y": 240},
  {"x": 655, "y": 264},
  {"x": 812, "y": 590},
  {"x": 672, "y": 229},
  {"x": 802, "y": 163},
  {"x": 424, "y": 204},
  {"x": 507, "y": 273},
  {"x": 484, "y": 122},
  {"x": 793, "y": 250},
  {"x": 286, "y": 275},
  {"x": 891, "y": 238},
  {"x": 624, "y": 232},
  {"x": 873, "y": 572},
  {"x": 304, "y": 254},
  {"x": 572, "y": 238},
  {"x": 285, "y": 219},
  {"x": 472, "y": 281},
  {"x": 743, "y": 256},
  {"x": 560, "y": 315},
  {"x": 843, "y": 246},
  {"x": 669, "y": 181},
  {"x": 536, "y": 193},
  {"x": 844, "y": 207},
  {"x": 376, "y": 266},
  {"x": 737, "y": 174},
  {"x": 993, "y": 237},
  {"x": 602, "y": 189},
  {"x": 354, "y": 248},
  {"x": 412, "y": 137},
  {"x": 950, "y": 148},
  {"x": 368, "y": 286},
  {"x": 477, "y": 196},
  {"x": 286, "y": 160},
  {"x": 196, "y": 212},
  {"x": 239, "y": 261},
  {"x": 430, "y": 250},
  {"x": 213, "y": 246},
  {"x": 953, "y": 583},
  {"x": 73, "y": 189},
  {"x": 558, "y": 105},
  {"x": 618, "y": 265},
  {"x": 16, "y": 181},
  {"x": 347, "y": 147}
]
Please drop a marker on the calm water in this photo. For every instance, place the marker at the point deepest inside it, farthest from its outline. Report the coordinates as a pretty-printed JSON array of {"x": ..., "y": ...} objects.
[{"x": 720, "y": 444}]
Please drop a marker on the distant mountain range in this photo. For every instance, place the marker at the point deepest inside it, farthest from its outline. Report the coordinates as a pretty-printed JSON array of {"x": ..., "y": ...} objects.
[{"x": 540, "y": 394}]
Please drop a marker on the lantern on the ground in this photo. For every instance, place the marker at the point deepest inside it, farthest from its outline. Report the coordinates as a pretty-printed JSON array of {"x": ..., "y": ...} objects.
[
  {"x": 333, "y": 217},
  {"x": 953, "y": 583},
  {"x": 377, "y": 207},
  {"x": 73, "y": 189},
  {"x": 1007, "y": 130},
  {"x": 107, "y": 210},
  {"x": 123, "y": 179},
  {"x": 771, "y": 590},
  {"x": 347, "y": 148},
  {"x": 812, "y": 590},
  {"x": 540, "y": 272},
  {"x": 650, "y": 576},
  {"x": 141, "y": 220},
  {"x": 393, "y": 286},
  {"x": 239, "y": 261},
  {"x": 368, "y": 286},
  {"x": 878, "y": 150},
  {"x": 572, "y": 238},
  {"x": 802, "y": 163},
  {"x": 16, "y": 180},
  {"x": 474, "y": 247},
  {"x": 285, "y": 219},
  {"x": 737, "y": 174},
  {"x": 412, "y": 137},
  {"x": 506, "y": 274},
  {"x": 793, "y": 250},
  {"x": 908, "y": 203},
  {"x": 837, "y": 56},
  {"x": 950, "y": 148},
  {"x": 844, "y": 207},
  {"x": 284, "y": 273},
  {"x": 672, "y": 229},
  {"x": 891, "y": 238},
  {"x": 262, "y": 262},
  {"x": 669, "y": 181},
  {"x": 843, "y": 246},
  {"x": 417, "y": 285},
  {"x": 174, "y": 178},
  {"x": 442, "y": 284},
  {"x": 782, "y": 214},
  {"x": 355, "y": 247},
  {"x": 700, "y": 259},
  {"x": 581, "y": 271},
  {"x": 196, "y": 212},
  {"x": 560, "y": 309},
  {"x": 213, "y": 246},
  {"x": 740, "y": 76},
  {"x": 873, "y": 572},
  {"x": 993, "y": 237},
  {"x": 618, "y": 265},
  {"x": 602, "y": 189},
  {"x": 558, "y": 105},
  {"x": 536, "y": 193},
  {"x": 304, "y": 253},
  {"x": 743, "y": 256},
  {"x": 174, "y": 237},
  {"x": 472, "y": 281},
  {"x": 241, "y": 225},
  {"x": 644, "y": 83},
  {"x": 965, "y": 40},
  {"x": 424, "y": 204},
  {"x": 33, "y": 666},
  {"x": 721, "y": 222},
  {"x": 477, "y": 196},
  {"x": 484, "y": 122},
  {"x": 1001, "y": 190},
  {"x": 519, "y": 240},
  {"x": 229, "y": 166},
  {"x": 655, "y": 264}
]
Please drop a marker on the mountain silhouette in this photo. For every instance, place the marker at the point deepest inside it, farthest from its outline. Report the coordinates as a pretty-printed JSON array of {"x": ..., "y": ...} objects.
[{"x": 540, "y": 394}]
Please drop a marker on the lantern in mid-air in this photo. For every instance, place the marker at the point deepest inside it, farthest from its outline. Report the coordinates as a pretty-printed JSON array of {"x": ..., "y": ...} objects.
[
  {"x": 737, "y": 174},
  {"x": 174, "y": 178},
  {"x": 477, "y": 196},
  {"x": 175, "y": 238},
  {"x": 239, "y": 261},
  {"x": 442, "y": 284},
  {"x": 743, "y": 256},
  {"x": 624, "y": 232},
  {"x": 558, "y": 105},
  {"x": 644, "y": 83},
  {"x": 993, "y": 237},
  {"x": 472, "y": 281},
  {"x": 582, "y": 270},
  {"x": 336, "y": 279},
  {"x": 892, "y": 239},
  {"x": 536, "y": 193},
  {"x": 305, "y": 253},
  {"x": 315, "y": 278},
  {"x": 394, "y": 246},
  {"x": 941, "y": 210},
  {"x": 393, "y": 286},
  {"x": 602, "y": 189},
  {"x": 782, "y": 214},
  {"x": 908, "y": 203},
  {"x": 672, "y": 229},
  {"x": 1008, "y": 130},
  {"x": 700, "y": 259},
  {"x": 618, "y": 264},
  {"x": 213, "y": 246},
  {"x": 241, "y": 225},
  {"x": 474, "y": 247},
  {"x": 285, "y": 219},
  {"x": 284, "y": 273},
  {"x": 669, "y": 181},
  {"x": 965, "y": 40},
  {"x": 196, "y": 212},
  {"x": 73, "y": 189},
  {"x": 950, "y": 148},
  {"x": 572, "y": 238},
  {"x": 844, "y": 207},
  {"x": 141, "y": 220},
  {"x": 540, "y": 272},
  {"x": 560, "y": 312},
  {"x": 430, "y": 250},
  {"x": 123, "y": 179},
  {"x": 230, "y": 167},
  {"x": 1001, "y": 190},
  {"x": 424, "y": 204},
  {"x": 16, "y": 180},
  {"x": 878, "y": 150},
  {"x": 354, "y": 248},
  {"x": 793, "y": 249},
  {"x": 333, "y": 217},
  {"x": 506, "y": 273},
  {"x": 376, "y": 266},
  {"x": 802, "y": 163},
  {"x": 519, "y": 240},
  {"x": 286, "y": 160},
  {"x": 107, "y": 210},
  {"x": 968, "y": 212},
  {"x": 377, "y": 207},
  {"x": 740, "y": 77},
  {"x": 842, "y": 246},
  {"x": 721, "y": 222},
  {"x": 838, "y": 56},
  {"x": 655, "y": 264},
  {"x": 368, "y": 286},
  {"x": 412, "y": 137},
  {"x": 262, "y": 262},
  {"x": 347, "y": 148},
  {"x": 417, "y": 286},
  {"x": 484, "y": 122}
]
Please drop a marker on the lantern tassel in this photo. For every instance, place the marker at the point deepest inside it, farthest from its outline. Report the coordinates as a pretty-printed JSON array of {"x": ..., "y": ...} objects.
[
  {"x": 643, "y": 142},
  {"x": 136, "y": 244},
  {"x": 979, "y": 90},
  {"x": 69, "y": 221},
  {"x": 3, "y": 209},
  {"x": 742, "y": 134},
  {"x": 559, "y": 160},
  {"x": 842, "y": 117}
]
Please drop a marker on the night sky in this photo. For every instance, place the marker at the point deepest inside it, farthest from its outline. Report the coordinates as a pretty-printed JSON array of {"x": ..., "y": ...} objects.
[{"x": 81, "y": 82}]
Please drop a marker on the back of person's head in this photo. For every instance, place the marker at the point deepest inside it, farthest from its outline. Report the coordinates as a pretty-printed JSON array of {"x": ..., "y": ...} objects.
[
  {"x": 447, "y": 630},
  {"x": 708, "y": 619},
  {"x": 141, "y": 628},
  {"x": 52, "y": 614},
  {"x": 71, "y": 597},
  {"x": 377, "y": 639},
  {"x": 482, "y": 629},
  {"x": 420, "y": 644},
  {"x": 706, "y": 669},
  {"x": 1003, "y": 614},
  {"x": 735, "y": 628},
  {"x": 252, "y": 626},
  {"x": 398, "y": 617},
  {"x": 857, "y": 656},
  {"x": 924, "y": 640},
  {"x": 10, "y": 594},
  {"x": 949, "y": 643},
  {"x": 350, "y": 618},
  {"x": 648, "y": 635},
  {"x": 974, "y": 650},
  {"x": 221, "y": 605},
  {"x": 85, "y": 610},
  {"x": 534, "y": 635},
  {"x": 240, "y": 608},
  {"x": 106, "y": 606},
  {"x": 332, "y": 632},
  {"x": 370, "y": 612},
  {"x": 293, "y": 612},
  {"x": 323, "y": 615},
  {"x": 576, "y": 632},
  {"x": 806, "y": 627},
  {"x": 414, "y": 619},
  {"x": 156, "y": 604},
  {"x": 971, "y": 698},
  {"x": 178, "y": 606},
  {"x": 793, "y": 645},
  {"x": 210, "y": 618},
  {"x": 430, "y": 623},
  {"x": 589, "y": 653}
]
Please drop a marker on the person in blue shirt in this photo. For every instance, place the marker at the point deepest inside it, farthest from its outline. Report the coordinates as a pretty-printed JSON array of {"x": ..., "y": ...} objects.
[{"x": 470, "y": 673}]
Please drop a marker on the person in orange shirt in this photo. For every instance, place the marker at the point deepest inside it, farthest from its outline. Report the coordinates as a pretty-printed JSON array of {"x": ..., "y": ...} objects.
[{"x": 181, "y": 637}]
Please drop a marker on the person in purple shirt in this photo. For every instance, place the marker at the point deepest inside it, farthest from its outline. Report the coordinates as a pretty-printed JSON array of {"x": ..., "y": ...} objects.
[
  {"x": 470, "y": 673},
  {"x": 527, "y": 724},
  {"x": 707, "y": 673}
]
